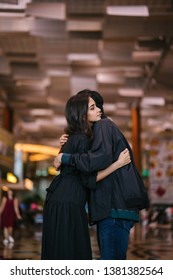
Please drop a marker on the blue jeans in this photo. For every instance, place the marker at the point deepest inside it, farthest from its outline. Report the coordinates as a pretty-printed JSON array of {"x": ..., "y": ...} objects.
[{"x": 113, "y": 238}]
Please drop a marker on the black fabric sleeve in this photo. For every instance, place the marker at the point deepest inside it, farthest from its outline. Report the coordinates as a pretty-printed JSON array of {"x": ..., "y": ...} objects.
[
  {"x": 100, "y": 155},
  {"x": 88, "y": 179}
]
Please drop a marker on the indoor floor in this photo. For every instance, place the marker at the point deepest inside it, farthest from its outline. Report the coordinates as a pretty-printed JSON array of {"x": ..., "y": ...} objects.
[{"x": 145, "y": 244}]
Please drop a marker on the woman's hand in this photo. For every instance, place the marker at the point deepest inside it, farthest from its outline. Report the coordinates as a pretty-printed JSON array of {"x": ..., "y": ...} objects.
[
  {"x": 124, "y": 157},
  {"x": 57, "y": 161},
  {"x": 63, "y": 139},
  {"x": 19, "y": 217}
]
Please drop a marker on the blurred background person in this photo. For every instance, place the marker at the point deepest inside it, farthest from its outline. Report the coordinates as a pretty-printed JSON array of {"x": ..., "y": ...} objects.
[{"x": 9, "y": 211}]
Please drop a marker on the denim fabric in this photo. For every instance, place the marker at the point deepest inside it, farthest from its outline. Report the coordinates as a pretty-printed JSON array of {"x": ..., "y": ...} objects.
[{"x": 113, "y": 238}]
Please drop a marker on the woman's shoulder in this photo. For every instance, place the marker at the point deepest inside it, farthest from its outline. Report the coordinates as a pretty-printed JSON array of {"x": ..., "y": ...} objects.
[
  {"x": 78, "y": 137},
  {"x": 75, "y": 141},
  {"x": 79, "y": 142}
]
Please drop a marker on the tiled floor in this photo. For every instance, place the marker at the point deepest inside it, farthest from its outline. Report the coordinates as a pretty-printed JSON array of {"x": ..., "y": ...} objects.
[{"x": 153, "y": 244}]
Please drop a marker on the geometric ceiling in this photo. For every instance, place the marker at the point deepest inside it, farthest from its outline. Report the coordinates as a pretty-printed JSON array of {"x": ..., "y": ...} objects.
[{"x": 49, "y": 50}]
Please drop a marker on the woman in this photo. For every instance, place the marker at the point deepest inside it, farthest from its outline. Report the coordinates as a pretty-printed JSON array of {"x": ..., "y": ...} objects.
[
  {"x": 65, "y": 224},
  {"x": 9, "y": 210}
]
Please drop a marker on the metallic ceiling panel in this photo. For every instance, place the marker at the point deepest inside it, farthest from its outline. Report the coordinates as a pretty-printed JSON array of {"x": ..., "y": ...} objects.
[
  {"x": 51, "y": 49},
  {"x": 47, "y": 10}
]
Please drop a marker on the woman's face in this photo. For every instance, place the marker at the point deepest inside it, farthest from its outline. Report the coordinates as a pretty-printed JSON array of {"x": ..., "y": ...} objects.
[
  {"x": 94, "y": 113},
  {"x": 10, "y": 193}
]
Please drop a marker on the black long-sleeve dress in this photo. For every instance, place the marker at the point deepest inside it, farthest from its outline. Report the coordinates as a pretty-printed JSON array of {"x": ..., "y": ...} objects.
[{"x": 65, "y": 224}]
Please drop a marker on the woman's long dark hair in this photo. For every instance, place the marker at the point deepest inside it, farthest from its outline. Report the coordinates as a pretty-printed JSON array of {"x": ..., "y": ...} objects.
[
  {"x": 96, "y": 96},
  {"x": 76, "y": 115}
]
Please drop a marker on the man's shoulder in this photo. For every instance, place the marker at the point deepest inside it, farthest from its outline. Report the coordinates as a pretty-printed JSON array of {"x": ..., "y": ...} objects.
[
  {"x": 108, "y": 125},
  {"x": 103, "y": 122}
]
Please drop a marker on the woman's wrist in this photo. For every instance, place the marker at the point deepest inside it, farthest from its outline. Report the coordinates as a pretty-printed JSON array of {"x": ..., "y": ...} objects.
[
  {"x": 60, "y": 158},
  {"x": 119, "y": 163}
]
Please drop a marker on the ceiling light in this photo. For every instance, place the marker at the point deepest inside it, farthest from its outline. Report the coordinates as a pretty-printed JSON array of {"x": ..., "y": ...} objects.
[
  {"x": 82, "y": 56},
  {"x": 38, "y": 157},
  {"x": 137, "y": 11},
  {"x": 59, "y": 120},
  {"x": 41, "y": 112},
  {"x": 33, "y": 127},
  {"x": 53, "y": 72},
  {"x": 131, "y": 92},
  {"x": 33, "y": 148},
  {"x": 12, "y": 15},
  {"x": 109, "y": 107},
  {"x": 84, "y": 25},
  {"x": 153, "y": 122},
  {"x": 11, "y": 178},
  {"x": 108, "y": 78},
  {"x": 146, "y": 55},
  {"x": 149, "y": 101}
]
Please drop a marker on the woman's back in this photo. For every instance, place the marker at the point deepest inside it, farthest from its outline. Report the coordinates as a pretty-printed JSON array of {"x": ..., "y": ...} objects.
[
  {"x": 65, "y": 227},
  {"x": 68, "y": 186}
]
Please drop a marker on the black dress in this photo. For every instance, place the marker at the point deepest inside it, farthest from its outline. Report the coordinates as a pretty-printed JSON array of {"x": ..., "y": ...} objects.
[{"x": 65, "y": 224}]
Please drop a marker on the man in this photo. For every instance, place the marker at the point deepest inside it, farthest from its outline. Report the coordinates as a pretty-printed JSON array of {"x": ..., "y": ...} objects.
[{"x": 115, "y": 202}]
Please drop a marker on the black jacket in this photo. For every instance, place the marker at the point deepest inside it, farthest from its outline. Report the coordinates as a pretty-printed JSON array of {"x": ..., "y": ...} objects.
[{"x": 123, "y": 189}]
